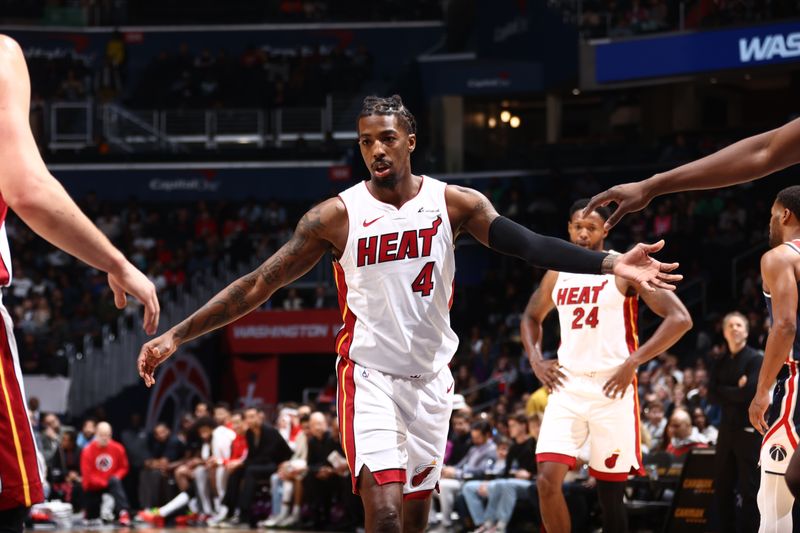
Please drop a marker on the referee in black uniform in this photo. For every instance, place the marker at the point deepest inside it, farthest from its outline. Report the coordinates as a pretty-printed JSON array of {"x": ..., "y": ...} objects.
[{"x": 732, "y": 385}]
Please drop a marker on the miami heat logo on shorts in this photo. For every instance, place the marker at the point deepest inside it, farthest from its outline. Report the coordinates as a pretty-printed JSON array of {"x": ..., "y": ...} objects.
[
  {"x": 611, "y": 461},
  {"x": 104, "y": 462},
  {"x": 777, "y": 452},
  {"x": 422, "y": 472}
]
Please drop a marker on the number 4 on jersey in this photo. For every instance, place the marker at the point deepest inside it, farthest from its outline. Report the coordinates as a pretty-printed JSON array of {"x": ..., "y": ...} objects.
[{"x": 423, "y": 283}]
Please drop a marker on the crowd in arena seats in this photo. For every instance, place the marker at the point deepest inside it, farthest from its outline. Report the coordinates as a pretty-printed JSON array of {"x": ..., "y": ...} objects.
[
  {"x": 55, "y": 299},
  {"x": 184, "y": 12},
  {"x": 259, "y": 76},
  {"x": 633, "y": 17}
]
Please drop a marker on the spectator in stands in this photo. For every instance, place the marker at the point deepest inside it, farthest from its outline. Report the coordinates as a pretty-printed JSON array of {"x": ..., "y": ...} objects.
[
  {"x": 460, "y": 440},
  {"x": 655, "y": 423},
  {"x": 286, "y": 484},
  {"x": 474, "y": 464},
  {"x": 104, "y": 464},
  {"x": 201, "y": 410},
  {"x": 293, "y": 301},
  {"x": 321, "y": 481},
  {"x": 87, "y": 432},
  {"x": 684, "y": 435},
  {"x": 49, "y": 438},
  {"x": 266, "y": 449},
  {"x": 500, "y": 495},
  {"x": 64, "y": 476},
  {"x": 34, "y": 413},
  {"x": 134, "y": 439},
  {"x": 165, "y": 451},
  {"x": 191, "y": 478},
  {"x": 221, "y": 450},
  {"x": 734, "y": 376},
  {"x": 706, "y": 429}
]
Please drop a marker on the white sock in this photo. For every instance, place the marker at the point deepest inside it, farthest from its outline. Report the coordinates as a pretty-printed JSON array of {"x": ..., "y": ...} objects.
[
  {"x": 775, "y": 504},
  {"x": 176, "y": 504}
]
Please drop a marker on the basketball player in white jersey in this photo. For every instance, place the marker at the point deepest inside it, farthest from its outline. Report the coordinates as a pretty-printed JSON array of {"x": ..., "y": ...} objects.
[
  {"x": 27, "y": 188},
  {"x": 392, "y": 240},
  {"x": 593, "y": 382},
  {"x": 780, "y": 462}
]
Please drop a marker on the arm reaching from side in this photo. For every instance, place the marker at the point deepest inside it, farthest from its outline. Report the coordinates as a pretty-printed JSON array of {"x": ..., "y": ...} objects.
[
  {"x": 42, "y": 203},
  {"x": 307, "y": 245},
  {"x": 470, "y": 211},
  {"x": 747, "y": 160}
]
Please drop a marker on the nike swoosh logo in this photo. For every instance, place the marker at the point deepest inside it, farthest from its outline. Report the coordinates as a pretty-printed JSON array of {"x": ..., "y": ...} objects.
[
  {"x": 366, "y": 224},
  {"x": 450, "y": 387}
]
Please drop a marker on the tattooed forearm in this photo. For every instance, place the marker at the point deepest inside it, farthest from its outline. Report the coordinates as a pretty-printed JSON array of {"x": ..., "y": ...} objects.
[
  {"x": 226, "y": 307},
  {"x": 294, "y": 259}
]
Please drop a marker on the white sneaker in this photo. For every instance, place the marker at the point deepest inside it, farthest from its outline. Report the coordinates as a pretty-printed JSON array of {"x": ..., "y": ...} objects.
[
  {"x": 272, "y": 521},
  {"x": 219, "y": 517},
  {"x": 290, "y": 520}
]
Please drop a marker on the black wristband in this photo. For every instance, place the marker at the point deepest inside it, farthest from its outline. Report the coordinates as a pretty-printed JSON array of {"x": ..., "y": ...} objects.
[{"x": 510, "y": 238}]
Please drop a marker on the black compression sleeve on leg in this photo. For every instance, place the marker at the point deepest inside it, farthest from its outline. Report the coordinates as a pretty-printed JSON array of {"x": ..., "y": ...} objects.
[
  {"x": 611, "y": 495},
  {"x": 510, "y": 238}
]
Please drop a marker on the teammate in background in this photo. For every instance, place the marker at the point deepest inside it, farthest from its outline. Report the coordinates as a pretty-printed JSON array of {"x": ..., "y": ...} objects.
[
  {"x": 593, "y": 381},
  {"x": 780, "y": 272},
  {"x": 27, "y": 188},
  {"x": 747, "y": 160},
  {"x": 392, "y": 238}
]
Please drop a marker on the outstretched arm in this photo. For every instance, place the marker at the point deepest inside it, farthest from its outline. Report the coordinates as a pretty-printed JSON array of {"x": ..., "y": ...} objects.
[
  {"x": 749, "y": 159},
  {"x": 677, "y": 321},
  {"x": 42, "y": 203},
  {"x": 311, "y": 239},
  {"x": 778, "y": 273},
  {"x": 539, "y": 306},
  {"x": 471, "y": 211}
]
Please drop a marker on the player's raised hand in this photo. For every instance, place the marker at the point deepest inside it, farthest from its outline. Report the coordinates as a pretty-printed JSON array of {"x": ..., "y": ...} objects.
[
  {"x": 152, "y": 354},
  {"x": 636, "y": 265},
  {"x": 628, "y": 197},
  {"x": 758, "y": 408},
  {"x": 130, "y": 280},
  {"x": 548, "y": 372}
]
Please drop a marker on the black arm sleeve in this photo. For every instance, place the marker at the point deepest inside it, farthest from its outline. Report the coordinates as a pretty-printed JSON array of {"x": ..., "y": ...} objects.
[{"x": 510, "y": 238}]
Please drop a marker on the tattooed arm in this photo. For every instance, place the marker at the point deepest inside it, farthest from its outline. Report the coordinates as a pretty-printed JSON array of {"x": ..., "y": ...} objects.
[
  {"x": 321, "y": 228},
  {"x": 472, "y": 212}
]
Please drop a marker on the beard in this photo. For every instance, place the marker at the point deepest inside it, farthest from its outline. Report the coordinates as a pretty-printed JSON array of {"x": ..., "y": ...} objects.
[{"x": 388, "y": 182}]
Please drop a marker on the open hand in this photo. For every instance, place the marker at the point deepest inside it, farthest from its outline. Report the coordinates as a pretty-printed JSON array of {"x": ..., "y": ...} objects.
[
  {"x": 628, "y": 197},
  {"x": 636, "y": 265}
]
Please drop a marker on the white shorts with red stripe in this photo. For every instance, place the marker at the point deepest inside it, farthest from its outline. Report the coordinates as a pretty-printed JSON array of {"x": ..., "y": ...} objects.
[
  {"x": 781, "y": 440},
  {"x": 579, "y": 411},
  {"x": 395, "y": 426}
]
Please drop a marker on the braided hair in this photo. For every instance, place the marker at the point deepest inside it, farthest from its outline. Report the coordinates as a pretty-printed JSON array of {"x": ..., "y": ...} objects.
[{"x": 393, "y": 105}]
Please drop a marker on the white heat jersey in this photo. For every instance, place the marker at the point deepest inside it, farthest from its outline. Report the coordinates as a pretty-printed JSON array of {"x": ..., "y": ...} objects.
[
  {"x": 395, "y": 282},
  {"x": 598, "y": 323}
]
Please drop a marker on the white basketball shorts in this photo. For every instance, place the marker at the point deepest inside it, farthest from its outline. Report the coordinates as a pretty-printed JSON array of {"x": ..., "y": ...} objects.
[
  {"x": 579, "y": 411},
  {"x": 395, "y": 426}
]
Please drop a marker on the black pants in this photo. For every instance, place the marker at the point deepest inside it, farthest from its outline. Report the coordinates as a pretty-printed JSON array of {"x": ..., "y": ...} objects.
[
  {"x": 13, "y": 520},
  {"x": 737, "y": 467},
  {"x": 243, "y": 482},
  {"x": 319, "y": 495},
  {"x": 93, "y": 499}
]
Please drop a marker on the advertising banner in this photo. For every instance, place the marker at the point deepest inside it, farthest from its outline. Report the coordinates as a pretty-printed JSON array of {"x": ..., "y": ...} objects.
[
  {"x": 691, "y": 53},
  {"x": 278, "y": 332}
]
